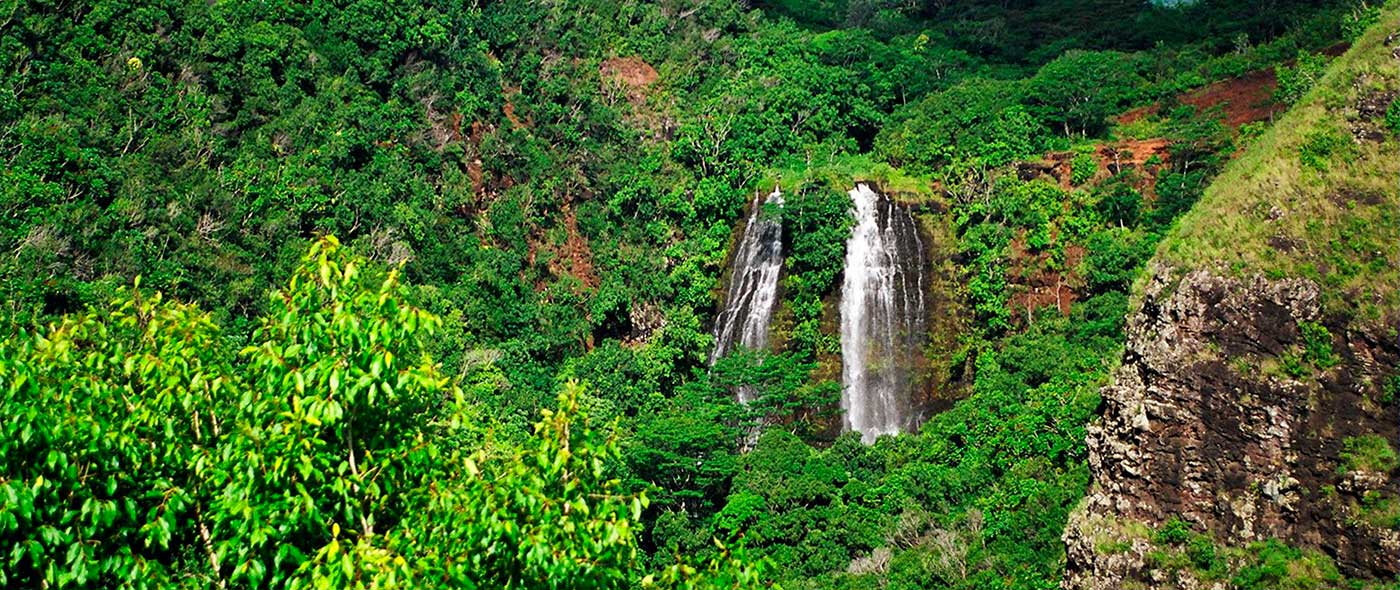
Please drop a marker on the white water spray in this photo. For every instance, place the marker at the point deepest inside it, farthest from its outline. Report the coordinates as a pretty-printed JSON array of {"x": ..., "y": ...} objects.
[
  {"x": 753, "y": 289},
  {"x": 883, "y": 317}
]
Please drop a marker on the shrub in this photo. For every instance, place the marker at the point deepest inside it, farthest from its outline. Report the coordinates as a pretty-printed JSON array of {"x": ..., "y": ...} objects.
[
  {"x": 1120, "y": 204},
  {"x": 1370, "y": 452},
  {"x": 1390, "y": 389},
  {"x": 1361, "y": 18},
  {"x": 1320, "y": 146},
  {"x": 1274, "y": 565},
  {"x": 1083, "y": 168},
  {"x": 1295, "y": 81},
  {"x": 1173, "y": 532},
  {"x": 1317, "y": 345},
  {"x": 1113, "y": 257}
]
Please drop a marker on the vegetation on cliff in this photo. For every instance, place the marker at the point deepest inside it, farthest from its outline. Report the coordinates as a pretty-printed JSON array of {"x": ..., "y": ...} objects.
[{"x": 1275, "y": 295}]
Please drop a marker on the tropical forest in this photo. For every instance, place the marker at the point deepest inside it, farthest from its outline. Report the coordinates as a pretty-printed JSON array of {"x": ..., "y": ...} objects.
[{"x": 700, "y": 294}]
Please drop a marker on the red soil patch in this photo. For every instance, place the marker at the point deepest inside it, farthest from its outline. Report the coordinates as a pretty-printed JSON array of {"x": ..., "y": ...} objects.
[
  {"x": 1243, "y": 100},
  {"x": 1246, "y": 99},
  {"x": 475, "y": 169},
  {"x": 1110, "y": 158},
  {"x": 572, "y": 258},
  {"x": 632, "y": 79},
  {"x": 631, "y": 73},
  {"x": 577, "y": 253},
  {"x": 1032, "y": 283},
  {"x": 515, "y": 121},
  {"x": 1137, "y": 114},
  {"x": 1035, "y": 286}
]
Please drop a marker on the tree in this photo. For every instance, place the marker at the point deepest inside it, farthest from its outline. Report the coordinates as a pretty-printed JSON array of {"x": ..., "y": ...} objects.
[
  {"x": 1079, "y": 90},
  {"x": 145, "y": 449},
  {"x": 976, "y": 120}
]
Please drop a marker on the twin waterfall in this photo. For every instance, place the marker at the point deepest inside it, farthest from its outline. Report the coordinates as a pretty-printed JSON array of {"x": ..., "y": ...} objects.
[
  {"x": 883, "y": 317},
  {"x": 753, "y": 290},
  {"x": 883, "y": 312}
]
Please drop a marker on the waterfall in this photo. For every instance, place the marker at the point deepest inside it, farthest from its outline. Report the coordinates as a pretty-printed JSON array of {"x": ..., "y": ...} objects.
[
  {"x": 753, "y": 289},
  {"x": 883, "y": 316}
]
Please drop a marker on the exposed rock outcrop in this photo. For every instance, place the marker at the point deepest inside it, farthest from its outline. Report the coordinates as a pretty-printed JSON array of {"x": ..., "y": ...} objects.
[{"x": 1219, "y": 417}]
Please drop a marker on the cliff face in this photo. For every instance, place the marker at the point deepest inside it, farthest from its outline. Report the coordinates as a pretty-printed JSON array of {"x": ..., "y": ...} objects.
[{"x": 1232, "y": 411}]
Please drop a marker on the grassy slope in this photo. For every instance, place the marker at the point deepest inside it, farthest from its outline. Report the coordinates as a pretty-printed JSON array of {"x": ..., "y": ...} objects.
[{"x": 1336, "y": 221}]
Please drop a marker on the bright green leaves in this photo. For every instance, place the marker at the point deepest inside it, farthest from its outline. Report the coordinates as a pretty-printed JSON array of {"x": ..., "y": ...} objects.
[
  {"x": 1079, "y": 90},
  {"x": 329, "y": 453},
  {"x": 976, "y": 121},
  {"x": 107, "y": 414},
  {"x": 544, "y": 517},
  {"x": 1294, "y": 81}
]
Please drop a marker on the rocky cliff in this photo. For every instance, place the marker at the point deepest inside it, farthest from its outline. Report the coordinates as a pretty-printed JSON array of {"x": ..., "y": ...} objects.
[
  {"x": 1232, "y": 411},
  {"x": 1249, "y": 438}
]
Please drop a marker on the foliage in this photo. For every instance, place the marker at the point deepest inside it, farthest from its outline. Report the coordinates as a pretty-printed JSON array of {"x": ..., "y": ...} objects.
[
  {"x": 1317, "y": 345},
  {"x": 1361, "y": 18},
  {"x": 1295, "y": 81},
  {"x": 1078, "y": 91},
  {"x": 1115, "y": 255},
  {"x": 818, "y": 219},
  {"x": 330, "y": 451},
  {"x": 978, "y": 120},
  {"x": 1277, "y": 565},
  {"x": 1082, "y": 169},
  {"x": 1370, "y": 452},
  {"x": 557, "y": 183}
]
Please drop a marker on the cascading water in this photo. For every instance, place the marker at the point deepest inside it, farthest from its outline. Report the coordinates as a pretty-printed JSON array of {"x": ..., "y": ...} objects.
[
  {"x": 753, "y": 290},
  {"x": 883, "y": 317}
]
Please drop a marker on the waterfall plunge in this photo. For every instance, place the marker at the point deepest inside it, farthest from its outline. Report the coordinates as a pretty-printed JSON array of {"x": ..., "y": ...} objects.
[
  {"x": 753, "y": 290},
  {"x": 883, "y": 317}
]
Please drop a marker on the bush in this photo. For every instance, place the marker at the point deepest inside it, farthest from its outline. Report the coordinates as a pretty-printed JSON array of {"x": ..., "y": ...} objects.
[
  {"x": 1083, "y": 168},
  {"x": 1273, "y": 565},
  {"x": 1173, "y": 532},
  {"x": 1317, "y": 345},
  {"x": 1119, "y": 203},
  {"x": 1361, "y": 18},
  {"x": 1370, "y": 452},
  {"x": 1321, "y": 146},
  {"x": 1295, "y": 81},
  {"x": 1113, "y": 258}
]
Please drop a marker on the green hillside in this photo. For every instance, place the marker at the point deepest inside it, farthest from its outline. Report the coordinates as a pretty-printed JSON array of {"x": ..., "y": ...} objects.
[
  {"x": 377, "y": 294},
  {"x": 1318, "y": 195}
]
